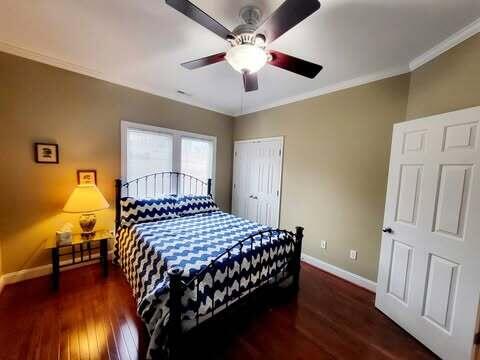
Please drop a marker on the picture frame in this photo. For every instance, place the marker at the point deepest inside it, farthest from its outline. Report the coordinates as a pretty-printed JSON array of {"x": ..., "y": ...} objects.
[
  {"x": 88, "y": 176},
  {"x": 46, "y": 153}
]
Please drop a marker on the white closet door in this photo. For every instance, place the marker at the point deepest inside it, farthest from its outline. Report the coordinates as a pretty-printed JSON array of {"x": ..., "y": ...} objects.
[
  {"x": 257, "y": 180},
  {"x": 429, "y": 268}
]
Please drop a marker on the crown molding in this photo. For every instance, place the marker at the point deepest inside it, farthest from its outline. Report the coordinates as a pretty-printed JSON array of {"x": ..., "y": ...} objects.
[
  {"x": 453, "y": 40},
  {"x": 361, "y": 80},
  {"x": 67, "y": 65}
]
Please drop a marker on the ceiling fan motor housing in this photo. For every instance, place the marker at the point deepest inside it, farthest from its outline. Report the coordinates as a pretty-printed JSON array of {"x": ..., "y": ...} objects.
[
  {"x": 245, "y": 33},
  {"x": 251, "y": 15}
]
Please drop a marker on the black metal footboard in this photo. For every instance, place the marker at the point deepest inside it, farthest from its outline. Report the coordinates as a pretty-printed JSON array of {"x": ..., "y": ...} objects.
[{"x": 279, "y": 269}]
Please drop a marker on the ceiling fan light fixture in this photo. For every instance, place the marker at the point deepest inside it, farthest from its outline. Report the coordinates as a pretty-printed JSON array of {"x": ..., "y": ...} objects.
[
  {"x": 246, "y": 58},
  {"x": 260, "y": 40}
]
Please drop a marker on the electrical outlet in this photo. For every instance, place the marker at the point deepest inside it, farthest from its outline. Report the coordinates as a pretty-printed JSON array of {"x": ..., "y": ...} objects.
[
  {"x": 323, "y": 244},
  {"x": 353, "y": 254}
]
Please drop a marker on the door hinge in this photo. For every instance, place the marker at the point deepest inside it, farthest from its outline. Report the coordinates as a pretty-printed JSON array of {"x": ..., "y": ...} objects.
[
  {"x": 476, "y": 340},
  {"x": 278, "y": 193},
  {"x": 234, "y": 186},
  {"x": 280, "y": 153}
]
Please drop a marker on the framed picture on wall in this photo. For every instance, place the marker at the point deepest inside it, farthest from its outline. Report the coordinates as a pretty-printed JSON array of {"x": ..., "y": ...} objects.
[
  {"x": 87, "y": 177},
  {"x": 46, "y": 153}
]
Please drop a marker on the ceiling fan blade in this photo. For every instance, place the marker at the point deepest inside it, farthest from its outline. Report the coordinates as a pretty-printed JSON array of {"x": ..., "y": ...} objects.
[
  {"x": 196, "y": 14},
  {"x": 289, "y": 14},
  {"x": 295, "y": 65},
  {"x": 207, "y": 60},
  {"x": 250, "y": 81}
]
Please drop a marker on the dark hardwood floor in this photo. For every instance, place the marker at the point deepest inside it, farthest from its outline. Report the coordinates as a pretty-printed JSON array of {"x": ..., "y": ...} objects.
[{"x": 95, "y": 318}]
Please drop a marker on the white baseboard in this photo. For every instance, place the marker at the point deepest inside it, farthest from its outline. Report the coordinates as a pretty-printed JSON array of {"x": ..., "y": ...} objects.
[
  {"x": 344, "y": 274},
  {"x": 43, "y": 270}
]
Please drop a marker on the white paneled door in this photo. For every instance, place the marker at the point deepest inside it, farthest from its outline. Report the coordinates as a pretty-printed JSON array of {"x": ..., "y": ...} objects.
[
  {"x": 429, "y": 272},
  {"x": 257, "y": 174}
]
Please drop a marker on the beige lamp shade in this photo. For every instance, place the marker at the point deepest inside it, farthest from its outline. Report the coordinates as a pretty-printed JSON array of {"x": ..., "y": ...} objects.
[{"x": 85, "y": 198}]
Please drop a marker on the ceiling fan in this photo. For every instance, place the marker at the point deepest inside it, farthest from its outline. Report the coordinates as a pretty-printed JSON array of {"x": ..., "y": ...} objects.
[{"x": 248, "y": 42}]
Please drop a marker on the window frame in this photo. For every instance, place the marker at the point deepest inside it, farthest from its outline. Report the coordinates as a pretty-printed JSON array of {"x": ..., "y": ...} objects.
[{"x": 177, "y": 136}]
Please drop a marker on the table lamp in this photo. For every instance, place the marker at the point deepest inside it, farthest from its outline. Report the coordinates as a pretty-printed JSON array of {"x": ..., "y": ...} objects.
[{"x": 86, "y": 199}]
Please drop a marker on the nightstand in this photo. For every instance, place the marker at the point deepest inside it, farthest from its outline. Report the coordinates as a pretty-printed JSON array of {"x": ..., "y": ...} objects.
[{"x": 80, "y": 250}]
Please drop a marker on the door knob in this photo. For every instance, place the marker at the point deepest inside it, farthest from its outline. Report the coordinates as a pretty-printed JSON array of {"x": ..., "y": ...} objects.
[{"x": 387, "y": 230}]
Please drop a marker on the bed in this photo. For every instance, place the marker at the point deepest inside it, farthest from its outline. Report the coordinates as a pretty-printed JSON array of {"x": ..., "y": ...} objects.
[{"x": 187, "y": 261}]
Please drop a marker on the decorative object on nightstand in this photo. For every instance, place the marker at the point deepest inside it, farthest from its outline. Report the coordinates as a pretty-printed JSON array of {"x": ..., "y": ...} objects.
[
  {"x": 86, "y": 199},
  {"x": 64, "y": 235}
]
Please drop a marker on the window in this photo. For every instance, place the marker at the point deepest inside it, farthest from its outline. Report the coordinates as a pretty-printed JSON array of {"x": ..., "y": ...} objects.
[
  {"x": 147, "y": 153},
  {"x": 150, "y": 149},
  {"x": 197, "y": 157}
]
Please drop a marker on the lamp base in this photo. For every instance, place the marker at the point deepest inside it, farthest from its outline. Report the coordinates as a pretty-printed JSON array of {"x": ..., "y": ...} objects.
[{"x": 87, "y": 223}]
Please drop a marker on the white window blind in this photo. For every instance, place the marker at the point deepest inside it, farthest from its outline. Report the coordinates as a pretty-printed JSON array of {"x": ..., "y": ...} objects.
[
  {"x": 148, "y": 153},
  {"x": 197, "y": 157},
  {"x": 149, "y": 149}
]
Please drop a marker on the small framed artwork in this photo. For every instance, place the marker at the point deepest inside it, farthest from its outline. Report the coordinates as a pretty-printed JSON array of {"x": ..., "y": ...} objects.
[
  {"x": 46, "y": 153},
  {"x": 86, "y": 177}
]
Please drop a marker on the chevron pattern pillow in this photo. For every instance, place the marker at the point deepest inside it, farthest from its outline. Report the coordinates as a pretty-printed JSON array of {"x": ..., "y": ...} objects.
[
  {"x": 195, "y": 204},
  {"x": 141, "y": 210}
]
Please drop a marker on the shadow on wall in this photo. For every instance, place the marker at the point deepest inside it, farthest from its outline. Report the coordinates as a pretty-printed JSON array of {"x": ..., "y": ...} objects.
[{"x": 33, "y": 235}]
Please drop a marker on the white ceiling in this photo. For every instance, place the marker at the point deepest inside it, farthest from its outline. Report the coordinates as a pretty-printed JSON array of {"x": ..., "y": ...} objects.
[{"x": 141, "y": 43}]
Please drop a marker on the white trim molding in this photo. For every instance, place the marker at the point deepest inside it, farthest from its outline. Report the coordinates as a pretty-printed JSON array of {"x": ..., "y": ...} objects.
[
  {"x": 280, "y": 138},
  {"x": 361, "y": 80},
  {"x": 453, "y": 40},
  {"x": 73, "y": 67},
  {"x": 341, "y": 273},
  {"x": 43, "y": 270}
]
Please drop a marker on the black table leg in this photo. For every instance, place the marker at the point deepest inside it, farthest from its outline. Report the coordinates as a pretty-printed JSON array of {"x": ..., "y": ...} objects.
[
  {"x": 55, "y": 268},
  {"x": 104, "y": 256}
]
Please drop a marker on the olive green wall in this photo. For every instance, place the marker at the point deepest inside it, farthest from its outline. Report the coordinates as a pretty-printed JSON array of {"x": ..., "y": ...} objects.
[
  {"x": 336, "y": 154},
  {"x": 43, "y": 103},
  {"x": 449, "y": 82}
]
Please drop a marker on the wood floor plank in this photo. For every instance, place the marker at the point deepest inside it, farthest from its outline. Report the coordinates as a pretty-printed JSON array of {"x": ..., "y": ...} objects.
[{"x": 95, "y": 318}]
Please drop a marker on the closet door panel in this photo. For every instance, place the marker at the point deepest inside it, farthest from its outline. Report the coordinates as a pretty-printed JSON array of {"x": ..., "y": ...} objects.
[{"x": 257, "y": 180}]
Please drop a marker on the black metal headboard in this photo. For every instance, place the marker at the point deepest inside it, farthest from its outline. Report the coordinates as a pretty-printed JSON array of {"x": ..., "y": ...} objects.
[{"x": 153, "y": 185}]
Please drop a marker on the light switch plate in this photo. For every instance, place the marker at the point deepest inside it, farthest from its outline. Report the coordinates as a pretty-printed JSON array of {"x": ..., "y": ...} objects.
[
  {"x": 323, "y": 244},
  {"x": 353, "y": 254}
]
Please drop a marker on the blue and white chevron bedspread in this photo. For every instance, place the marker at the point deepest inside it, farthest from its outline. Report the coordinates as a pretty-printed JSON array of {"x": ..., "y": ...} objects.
[{"x": 147, "y": 250}]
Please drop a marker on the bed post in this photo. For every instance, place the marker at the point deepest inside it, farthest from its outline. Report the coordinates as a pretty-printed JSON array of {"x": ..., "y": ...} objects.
[
  {"x": 297, "y": 257},
  {"x": 209, "y": 187},
  {"x": 118, "y": 195},
  {"x": 175, "y": 321}
]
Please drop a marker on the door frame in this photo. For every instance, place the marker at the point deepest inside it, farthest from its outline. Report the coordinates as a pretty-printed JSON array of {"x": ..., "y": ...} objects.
[{"x": 282, "y": 143}]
